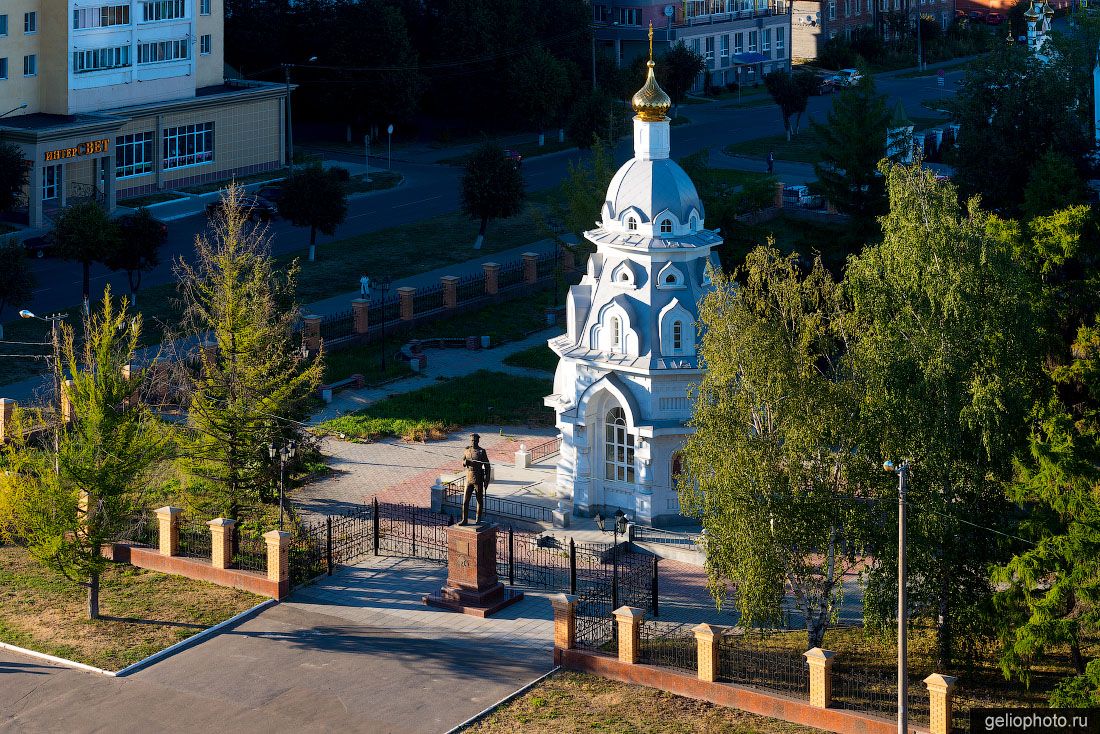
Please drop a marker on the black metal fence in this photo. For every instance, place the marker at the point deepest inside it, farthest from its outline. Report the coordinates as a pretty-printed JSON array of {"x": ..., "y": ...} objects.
[
  {"x": 689, "y": 541},
  {"x": 337, "y": 325},
  {"x": 470, "y": 287},
  {"x": 540, "y": 451},
  {"x": 743, "y": 663},
  {"x": 251, "y": 554},
  {"x": 877, "y": 692},
  {"x": 496, "y": 506},
  {"x": 195, "y": 541},
  {"x": 142, "y": 529},
  {"x": 674, "y": 649},
  {"x": 428, "y": 300}
]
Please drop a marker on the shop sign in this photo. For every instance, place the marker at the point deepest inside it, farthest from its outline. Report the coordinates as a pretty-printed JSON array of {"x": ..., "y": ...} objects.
[{"x": 90, "y": 147}]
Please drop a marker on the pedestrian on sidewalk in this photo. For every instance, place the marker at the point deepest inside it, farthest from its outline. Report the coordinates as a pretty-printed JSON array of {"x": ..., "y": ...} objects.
[
  {"x": 771, "y": 161},
  {"x": 364, "y": 286}
]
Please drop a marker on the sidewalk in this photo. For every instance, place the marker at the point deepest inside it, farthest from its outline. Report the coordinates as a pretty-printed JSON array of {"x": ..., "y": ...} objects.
[{"x": 789, "y": 172}]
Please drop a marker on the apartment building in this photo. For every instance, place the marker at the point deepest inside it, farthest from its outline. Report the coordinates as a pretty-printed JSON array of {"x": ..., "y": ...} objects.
[
  {"x": 814, "y": 22},
  {"x": 740, "y": 40},
  {"x": 116, "y": 98}
]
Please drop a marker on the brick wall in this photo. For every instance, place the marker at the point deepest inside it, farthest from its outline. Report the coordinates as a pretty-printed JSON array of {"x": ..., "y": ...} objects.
[{"x": 195, "y": 568}]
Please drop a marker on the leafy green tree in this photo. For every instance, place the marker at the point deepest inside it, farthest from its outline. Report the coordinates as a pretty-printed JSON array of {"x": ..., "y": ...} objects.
[
  {"x": 246, "y": 390},
  {"x": 140, "y": 238},
  {"x": 581, "y": 195},
  {"x": 947, "y": 359},
  {"x": 852, "y": 143},
  {"x": 65, "y": 517},
  {"x": 1051, "y": 594},
  {"x": 771, "y": 469},
  {"x": 791, "y": 91},
  {"x": 1054, "y": 184},
  {"x": 589, "y": 119},
  {"x": 85, "y": 234},
  {"x": 492, "y": 187},
  {"x": 677, "y": 70},
  {"x": 17, "y": 282},
  {"x": 314, "y": 198},
  {"x": 539, "y": 85},
  {"x": 13, "y": 175}
]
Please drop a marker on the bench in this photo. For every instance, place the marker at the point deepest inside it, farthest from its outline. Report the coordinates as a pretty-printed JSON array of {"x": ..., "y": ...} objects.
[{"x": 327, "y": 391}]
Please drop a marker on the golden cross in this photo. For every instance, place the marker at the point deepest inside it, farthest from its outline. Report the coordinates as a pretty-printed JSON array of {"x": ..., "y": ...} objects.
[{"x": 651, "y": 40}]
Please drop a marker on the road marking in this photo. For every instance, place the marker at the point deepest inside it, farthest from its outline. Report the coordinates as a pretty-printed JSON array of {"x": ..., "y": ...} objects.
[
  {"x": 364, "y": 214},
  {"x": 421, "y": 201}
]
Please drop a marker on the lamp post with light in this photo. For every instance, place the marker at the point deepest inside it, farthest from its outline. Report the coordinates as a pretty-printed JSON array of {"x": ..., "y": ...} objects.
[
  {"x": 15, "y": 109},
  {"x": 284, "y": 453},
  {"x": 54, "y": 320},
  {"x": 289, "y": 113},
  {"x": 902, "y": 470}
]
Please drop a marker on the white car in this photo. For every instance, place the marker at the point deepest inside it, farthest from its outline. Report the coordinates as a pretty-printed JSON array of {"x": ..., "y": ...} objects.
[{"x": 849, "y": 77}]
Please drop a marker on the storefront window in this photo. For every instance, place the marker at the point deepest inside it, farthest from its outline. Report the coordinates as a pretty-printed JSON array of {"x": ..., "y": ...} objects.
[
  {"x": 51, "y": 182},
  {"x": 134, "y": 154},
  {"x": 188, "y": 145}
]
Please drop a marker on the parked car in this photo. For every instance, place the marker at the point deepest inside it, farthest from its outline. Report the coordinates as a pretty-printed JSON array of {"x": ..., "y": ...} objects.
[
  {"x": 994, "y": 19},
  {"x": 513, "y": 155},
  {"x": 41, "y": 245},
  {"x": 800, "y": 196},
  {"x": 258, "y": 209},
  {"x": 827, "y": 85},
  {"x": 127, "y": 220},
  {"x": 849, "y": 77},
  {"x": 273, "y": 194}
]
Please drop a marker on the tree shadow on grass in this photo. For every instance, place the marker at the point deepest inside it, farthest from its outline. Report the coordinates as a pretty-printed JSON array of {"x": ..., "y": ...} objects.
[{"x": 155, "y": 622}]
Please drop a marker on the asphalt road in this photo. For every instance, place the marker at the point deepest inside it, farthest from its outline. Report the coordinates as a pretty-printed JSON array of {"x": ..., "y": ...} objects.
[{"x": 431, "y": 189}]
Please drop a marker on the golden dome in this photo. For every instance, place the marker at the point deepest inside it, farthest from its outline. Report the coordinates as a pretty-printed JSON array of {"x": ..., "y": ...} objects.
[{"x": 650, "y": 102}]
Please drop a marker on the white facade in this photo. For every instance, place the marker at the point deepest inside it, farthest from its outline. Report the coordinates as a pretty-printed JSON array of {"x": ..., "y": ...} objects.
[
  {"x": 1038, "y": 18},
  {"x": 628, "y": 362}
]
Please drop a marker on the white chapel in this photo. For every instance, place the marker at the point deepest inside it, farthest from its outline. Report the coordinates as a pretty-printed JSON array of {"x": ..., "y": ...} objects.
[{"x": 628, "y": 361}]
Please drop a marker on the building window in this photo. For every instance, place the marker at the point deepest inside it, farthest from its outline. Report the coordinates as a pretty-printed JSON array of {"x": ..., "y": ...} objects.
[
  {"x": 102, "y": 17},
  {"x": 30, "y": 65},
  {"x": 666, "y": 226},
  {"x": 675, "y": 469},
  {"x": 725, "y": 49},
  {"x": 3, "y": 25},
  {"x": 204, "y": 7},
  {"x": 832, "y": 9},
  {"x": 677, "y": 335},
  {"x": 628, "y": 16},
  {"x": 780, "y": 41},
  {"x": 767, "y": 41},
  {"x": 632, "y": 224},
  {"x": 188, "y": 145},
  {"x": 51, "y": 182},
  {"x": 158, "y": 51},
  {"x": 618, "y": 447},
  {"x": 3, "y": 68},
  {"x": 616, "y": 325},
  {"x": 152, "y": 10},
  {"x": 30, "y": 22},
  {"x": 752, "y": 41},
  {"x": 101, "y": 58},
  {"x": 133, "y": 154},
  {"x": 738, "y": 43},
  {"x": 204, "y": 44},
  {"x": 847, "y": 8},
  {"x": 708, "y": 46}
]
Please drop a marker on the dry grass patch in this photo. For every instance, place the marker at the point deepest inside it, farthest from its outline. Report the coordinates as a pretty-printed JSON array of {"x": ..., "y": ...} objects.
[
  {"x": 143, "y": 611},
  {"x": 571, "y": 703}
]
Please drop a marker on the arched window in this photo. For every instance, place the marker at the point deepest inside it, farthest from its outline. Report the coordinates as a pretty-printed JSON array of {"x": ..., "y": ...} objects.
[
  {"x": 675, "y": 469},
  {"x": 693, "y": 223},
  {"x": 616, "y": 334},
  {"x": 677, "y": 335},
  {"x": 618, "y": 447},
  {"x": 632, "y": 224},
  {"x": 666, "y": 226}
]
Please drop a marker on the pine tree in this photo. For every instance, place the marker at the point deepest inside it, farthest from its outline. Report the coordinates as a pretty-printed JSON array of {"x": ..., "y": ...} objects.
[{"x": 251, "y": 379}]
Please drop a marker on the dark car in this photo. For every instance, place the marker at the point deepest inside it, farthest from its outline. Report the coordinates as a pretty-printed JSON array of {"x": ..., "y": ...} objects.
[
  {"x": 127, "y": 220},
  {"x": 258, "y": 209},
  {"x": 41, "y": 245},
  {"x": 513, "y": 155},
  {"x": 273, "y": 194},
  {"x": 827, "y": 85}
]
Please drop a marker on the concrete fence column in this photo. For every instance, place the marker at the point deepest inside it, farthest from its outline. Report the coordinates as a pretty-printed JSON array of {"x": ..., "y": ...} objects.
[
  {"x": 67, "y": 401},
  {"x": 406, "y": 294},
  {"x": 492, "y": 272},
  {"x": 450, "y": 290},
  {"x": 629, "y": 620},
  {"x": 360, "y": 315},
  {"x": 530, "y": 267},
  {"x": 168, "y": 537},
  {"x": 523, "y": 457},
  {"x": 939, "y": 700},
  {"x": 278, "y": 559},
  {"x": 7, "y": 418},
  {"x": 778, "y": 194},
  {"x": 707, "y": 639},
  {"x": 221, "y": 542},
  {"x": 821, "y": 676},
  {"x": 565, "y": 621},
  {"x": 311, "y": 332}
]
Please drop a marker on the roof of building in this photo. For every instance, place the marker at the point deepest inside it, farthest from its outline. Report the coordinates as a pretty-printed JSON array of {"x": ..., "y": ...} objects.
[
  {"x": 651, "y": 187},
  {"x": 45, "y": 121}
]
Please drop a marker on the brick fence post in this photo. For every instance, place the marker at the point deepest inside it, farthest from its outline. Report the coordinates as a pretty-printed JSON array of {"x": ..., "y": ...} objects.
[
  {"x": 939, "y": 700},
  {"x": 221, "y": 542},
  {"x": 66, "y": 401},
  {"x": 450, "y": 290},
  {"x": 821, "y": 676},
  {"x": 707, "y": 637},
  {"x": 778, "y": 194},
  {"x": 530, "y": 267},
  {"x": 168, "y": 523},
  {"x": 278, "y": 559},
  {"x": 629, "y": 620},
  {"x": 565, "y": 621},
  {"x": 406, "y": 294},
  {"x": 492, "y": 271},
  {"x": 7, "y": 418},
  {"x": 360, "y": 315},
  {"x": 311, "y": 332}
]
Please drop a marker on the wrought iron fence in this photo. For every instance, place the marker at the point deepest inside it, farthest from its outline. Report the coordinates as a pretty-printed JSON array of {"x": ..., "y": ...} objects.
[
  {"x": 337, "y": 325},
  {"x": 195, "y": 540},
  {"x": 530, "y": 559},
  {"x": 142, "y": 529},
  {"x": 498, "y": 506},
  {"x": 542, "y": 450},
  {"x": 307, "y": 552},
  {"x": 391, "y": 309},
  {"x": 547, "y": 264},
  {"x": 745, "y": 664},
  {"x": 877, "y": 692},
  {"x": 470, "y": 287},
  {"x": 644, "y": 534},
  {"x": 662, "y": 647},
  {"x": 426, "y": 301},
  {"x": 411, "y": 532},
  {"x": 510, "y": 275},
  {"x": 251, "y": 554}
]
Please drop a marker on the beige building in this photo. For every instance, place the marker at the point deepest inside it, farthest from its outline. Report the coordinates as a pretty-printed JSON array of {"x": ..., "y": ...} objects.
[{"x": 115, "y": 98}]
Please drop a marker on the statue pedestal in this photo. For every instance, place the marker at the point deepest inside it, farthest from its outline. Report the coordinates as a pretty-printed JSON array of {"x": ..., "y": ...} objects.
[{"x": 472, "y": 586}]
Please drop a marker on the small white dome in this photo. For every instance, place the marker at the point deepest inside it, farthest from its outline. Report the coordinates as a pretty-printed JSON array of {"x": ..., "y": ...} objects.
[{"x": 652, "y": 190}]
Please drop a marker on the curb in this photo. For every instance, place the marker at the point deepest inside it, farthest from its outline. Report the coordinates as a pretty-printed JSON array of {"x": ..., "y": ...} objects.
[
  {"x": 515, "y": 694},
  {"x": 166, "y": 652}
]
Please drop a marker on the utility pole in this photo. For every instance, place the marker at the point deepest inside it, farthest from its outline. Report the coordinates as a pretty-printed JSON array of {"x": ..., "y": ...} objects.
[
  {"x": 902, "y": 471},
  {"x": 289, "y": 121}
]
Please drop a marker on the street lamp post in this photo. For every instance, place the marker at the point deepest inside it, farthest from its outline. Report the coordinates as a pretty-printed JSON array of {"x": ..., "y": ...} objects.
[
  {"x": 389, "y": 146},
  {"x": 290, "y": 115},
  {"x": 54, "y": 320},
  {"x": 15, "y": 109},
  {"x": 902, "y": 470},
  {"x": 383, "y": 283},
  {"x": 284, "y": 453}
]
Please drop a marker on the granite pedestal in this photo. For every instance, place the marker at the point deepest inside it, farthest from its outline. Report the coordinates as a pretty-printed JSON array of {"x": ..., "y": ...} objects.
[{"x": 472, "y": 585}]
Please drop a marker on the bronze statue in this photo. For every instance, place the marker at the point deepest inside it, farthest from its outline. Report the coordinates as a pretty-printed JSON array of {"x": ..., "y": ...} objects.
[{"x": 478, "y": 471}]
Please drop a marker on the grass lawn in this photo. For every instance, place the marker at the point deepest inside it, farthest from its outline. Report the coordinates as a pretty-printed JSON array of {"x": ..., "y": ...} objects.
[
  {"x": 375, "y": 182},
  {"x": 494, "y": 398},
  {"x": 363, "y": 360},
  {"x": 538, "y": 357},
  {"x": 804, "y": 147},
  {"x": 143, "y": 611},
  {"x": 571, "y": 703},
  {"x": 156, "y": 197}
]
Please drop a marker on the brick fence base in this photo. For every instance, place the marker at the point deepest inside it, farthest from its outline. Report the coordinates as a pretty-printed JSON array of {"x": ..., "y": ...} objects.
[{"x": 197, "y": 568}]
